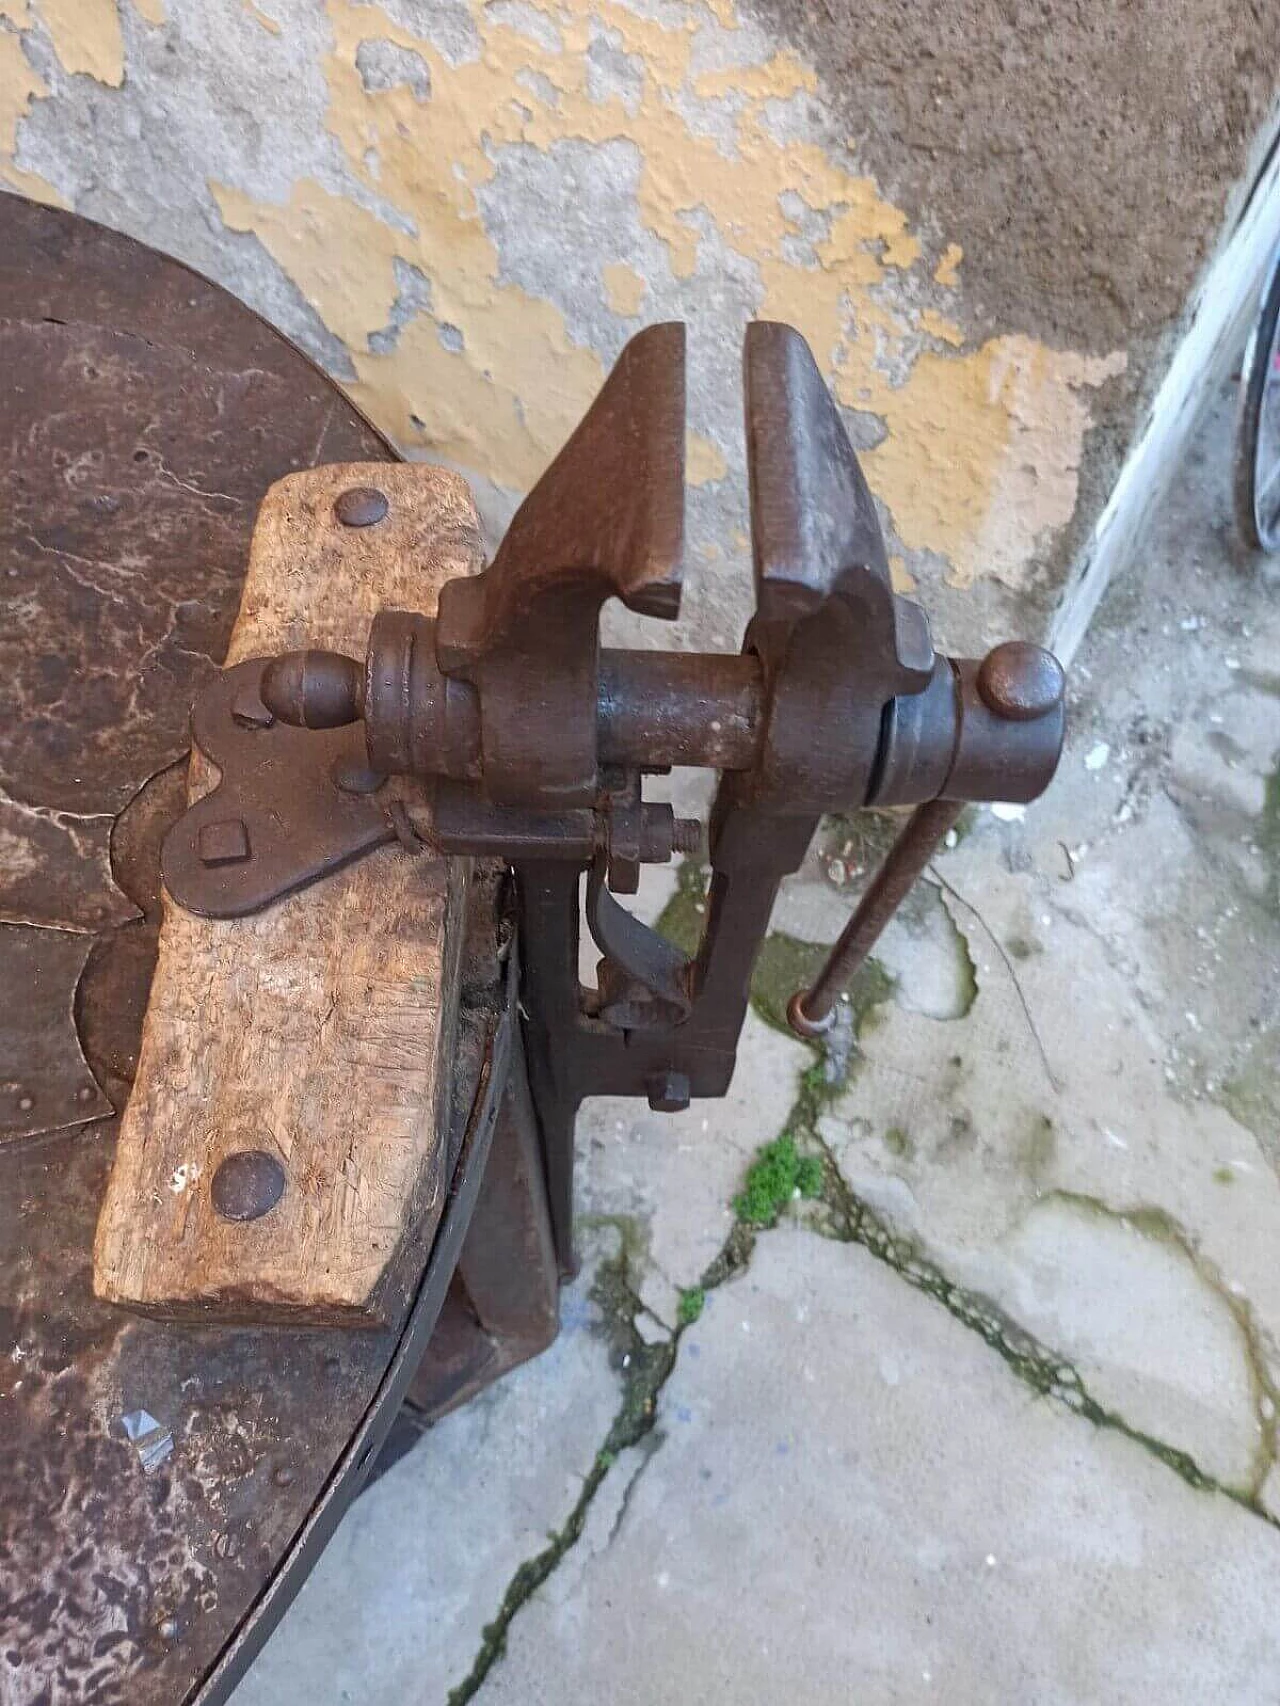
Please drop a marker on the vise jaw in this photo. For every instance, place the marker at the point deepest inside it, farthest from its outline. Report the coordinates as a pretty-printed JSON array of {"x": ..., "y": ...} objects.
[{"x": 530, "y": 741}]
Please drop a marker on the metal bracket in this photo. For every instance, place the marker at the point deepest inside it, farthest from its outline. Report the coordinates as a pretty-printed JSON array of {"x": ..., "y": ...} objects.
[{"x": 292, "y": 804}]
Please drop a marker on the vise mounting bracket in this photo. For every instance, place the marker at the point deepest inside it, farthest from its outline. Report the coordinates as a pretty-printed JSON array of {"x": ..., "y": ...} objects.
[{"x": 529, "y": 742}]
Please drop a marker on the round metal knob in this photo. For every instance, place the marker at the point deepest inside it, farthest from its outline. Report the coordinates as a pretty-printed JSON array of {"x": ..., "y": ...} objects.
[
  {"x": 247, "y": 1185},
  {"x": 360, "y": 506},
  {"x": 1020, "y": 682},
  {"x": 313, "y": 690}
]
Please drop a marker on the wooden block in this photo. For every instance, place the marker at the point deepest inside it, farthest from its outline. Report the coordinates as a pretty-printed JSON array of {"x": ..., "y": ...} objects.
[{"x": 318, "y": 1031}]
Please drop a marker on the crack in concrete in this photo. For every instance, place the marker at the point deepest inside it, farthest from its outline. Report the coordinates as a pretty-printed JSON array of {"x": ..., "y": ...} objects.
[
  {"x": 849, "y": 1220},
  {"x": 1158, "y": 1223},
  {"x": 949, "y": 889},
  {"x": 1036, "y": 1365},
  {"x": 852, "y": 1220},
  {"x": 646, "y": 1369}
]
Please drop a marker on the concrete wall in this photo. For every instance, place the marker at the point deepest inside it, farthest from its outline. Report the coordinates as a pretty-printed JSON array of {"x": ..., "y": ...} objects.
[{"x": 984, "y": 214}]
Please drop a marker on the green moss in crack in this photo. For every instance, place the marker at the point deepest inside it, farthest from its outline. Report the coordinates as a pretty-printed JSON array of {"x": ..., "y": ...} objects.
[
  {"x": 644, "y": 1370},
  {"x": 693, "y": 1300},
  {"x": 968, "y": 970},
  {"x": 1157, "y": 1224},
  {"x": 786, "y": 963},
  {"x": 778, "y": 1175},
  {"x": 783, "y": 965}
]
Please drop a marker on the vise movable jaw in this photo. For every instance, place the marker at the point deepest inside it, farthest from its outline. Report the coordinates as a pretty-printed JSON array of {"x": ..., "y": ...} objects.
[{"x": 533, "y": 740}]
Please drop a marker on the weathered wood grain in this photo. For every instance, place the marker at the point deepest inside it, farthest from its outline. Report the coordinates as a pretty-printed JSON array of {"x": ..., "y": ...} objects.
[{"x": 318, "y": 1030}]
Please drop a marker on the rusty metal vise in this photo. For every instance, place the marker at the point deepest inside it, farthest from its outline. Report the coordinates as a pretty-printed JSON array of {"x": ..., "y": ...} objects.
[{"x": 534, "y": 740}]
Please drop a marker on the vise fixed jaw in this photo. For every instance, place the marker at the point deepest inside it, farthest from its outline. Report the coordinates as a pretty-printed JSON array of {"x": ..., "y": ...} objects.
[{"x": 532, "y": 740}]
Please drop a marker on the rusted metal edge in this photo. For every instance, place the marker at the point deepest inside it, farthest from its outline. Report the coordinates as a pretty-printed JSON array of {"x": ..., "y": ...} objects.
[{"x": 362, "y": 1449}]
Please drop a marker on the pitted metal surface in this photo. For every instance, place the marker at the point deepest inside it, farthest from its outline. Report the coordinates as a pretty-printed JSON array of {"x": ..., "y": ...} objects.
[
  {"x": 145, "y": 414},
  {"x": 144, "y": 417}
]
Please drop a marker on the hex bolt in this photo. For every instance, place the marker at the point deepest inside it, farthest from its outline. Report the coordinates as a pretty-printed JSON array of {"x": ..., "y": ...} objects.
[
  {"x": 1019, "y": 681},
  {"x": 360, "y": 506},
  {"x": 223, "y": 843},
  {"x": 247, "y": 1185},
  {"x": 668, "y": 1092}
]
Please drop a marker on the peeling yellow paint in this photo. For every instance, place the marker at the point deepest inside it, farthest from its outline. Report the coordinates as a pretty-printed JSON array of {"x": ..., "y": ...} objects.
[
  {"x": 623, "y": 288},
  {"x": 704, "y": 460},
  {"x": 18, "y": 12},
  {"x": 268, "y": 23},
  {"x": 940, "y": 327},
  {"x": 349, "y": 279},
  {"x": 19, "y": 85},
  {"x": 982, "y": 455},
  {"x": 901, "y": 576},
  {"x": 781, "y": 76},
  {"x": 151, "y": 10},
  {"x": 980, "y": 458},
  {"x": 86, "y": 37},
  {"x": 948, "y": 268}
]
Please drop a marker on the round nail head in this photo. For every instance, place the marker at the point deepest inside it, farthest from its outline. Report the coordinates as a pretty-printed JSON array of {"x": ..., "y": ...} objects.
[
  {"x": 247, "y": 1185},
  {"x": 360, "y": 506},
  {"x": 1020, "y": 682}
]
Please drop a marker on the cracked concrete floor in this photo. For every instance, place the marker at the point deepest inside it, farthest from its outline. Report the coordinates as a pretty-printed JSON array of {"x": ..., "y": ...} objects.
[{"x": 965, "y": 1386}]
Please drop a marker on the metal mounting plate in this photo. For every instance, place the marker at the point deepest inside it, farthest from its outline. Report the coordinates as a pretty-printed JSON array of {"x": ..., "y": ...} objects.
[{"x": 277, "y": 820}]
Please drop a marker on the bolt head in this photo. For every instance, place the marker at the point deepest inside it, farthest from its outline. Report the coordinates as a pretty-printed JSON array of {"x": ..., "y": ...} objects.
[
  {"x": 1020, "y": 682},
  {"x": 247, "y": 1185},
  {"x": 360, "y": 506},
  {"x": 668, "y": 1092},
  {"x": 223, "y": 843}
]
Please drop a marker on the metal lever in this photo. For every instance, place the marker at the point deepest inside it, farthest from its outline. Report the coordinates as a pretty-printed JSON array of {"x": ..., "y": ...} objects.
[{"x": 1018, "y": 683}]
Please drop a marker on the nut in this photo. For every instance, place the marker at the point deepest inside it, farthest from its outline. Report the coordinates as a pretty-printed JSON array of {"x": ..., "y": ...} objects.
[{"x": 668, "y": 1092}]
